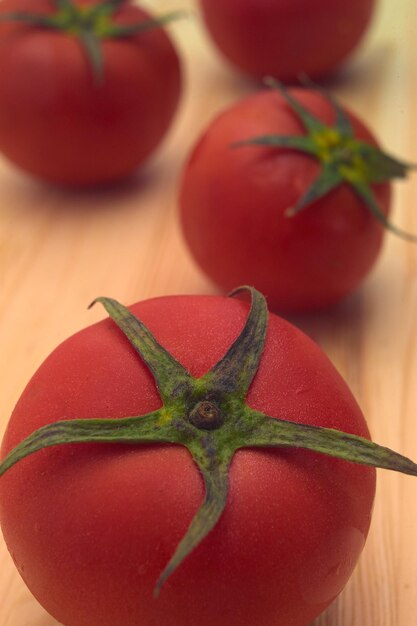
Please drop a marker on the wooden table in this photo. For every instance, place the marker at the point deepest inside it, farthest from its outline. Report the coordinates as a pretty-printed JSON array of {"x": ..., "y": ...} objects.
[{"x": 59, "y": 249}]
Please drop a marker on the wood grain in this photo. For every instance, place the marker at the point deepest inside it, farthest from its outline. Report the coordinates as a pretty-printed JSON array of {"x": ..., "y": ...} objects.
[{"x": 60, "y": 249}]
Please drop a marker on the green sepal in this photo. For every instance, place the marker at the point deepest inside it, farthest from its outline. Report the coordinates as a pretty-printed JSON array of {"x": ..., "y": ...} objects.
[
  {"x": 28, "y": 18},
  {"x": 344, "y": 159},
  {"x": 328, "y": 179},
  {"x": 311, "y": 123},
  {"x": 64, "y": 5},
  {"x": 110, "y": 5},
  {"x": 94, "y": 54},
  {"x": 152, "y": 427},
  {"x": 295, "y": 142},
  {"x": 275, "y": 432},
  {"x": 170, "y": 376},
  {"x": 369, "y": 199},
  {"x": 342, "y": 122},
  {"x": 129, "y": 30},
  {"x": 215, "y": 476},
  {"x": 377, "y": 166},
  {"x": 235, "y": 371}
]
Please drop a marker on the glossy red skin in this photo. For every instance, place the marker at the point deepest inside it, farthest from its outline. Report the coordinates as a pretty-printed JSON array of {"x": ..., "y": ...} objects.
[
  {"x": 58, "y": 124},
  {"x": 90, "y": 527},
  {"x": 233, "y": 203},
  {"x": 284, "y": 38}
]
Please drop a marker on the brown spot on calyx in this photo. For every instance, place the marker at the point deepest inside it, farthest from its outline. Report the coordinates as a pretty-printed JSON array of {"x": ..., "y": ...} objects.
[{"x": 206, "y": 415}]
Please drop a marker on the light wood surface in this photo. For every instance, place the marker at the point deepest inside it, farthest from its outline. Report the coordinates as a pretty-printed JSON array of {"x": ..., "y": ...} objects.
[{"x": 60, "y": 249}]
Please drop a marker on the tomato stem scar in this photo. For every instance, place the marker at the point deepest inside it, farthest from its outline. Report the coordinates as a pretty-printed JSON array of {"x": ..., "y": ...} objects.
[{"x": 206, "y": 416}]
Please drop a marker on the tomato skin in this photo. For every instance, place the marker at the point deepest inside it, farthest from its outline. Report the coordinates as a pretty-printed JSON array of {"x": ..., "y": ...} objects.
[
  {"x": 233, "y": 215},
  {"x": 284, "y": 38},
  {"x": 58, "y": 124},
  {"x": 90, "y": 527}
]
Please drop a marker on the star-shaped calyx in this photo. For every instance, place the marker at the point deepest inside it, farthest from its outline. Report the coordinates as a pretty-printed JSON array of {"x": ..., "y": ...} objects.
[
  {"x": 343, "y": 158},
  {"x": 91, "y": 24},
  {"x": 209, "y": 416}
]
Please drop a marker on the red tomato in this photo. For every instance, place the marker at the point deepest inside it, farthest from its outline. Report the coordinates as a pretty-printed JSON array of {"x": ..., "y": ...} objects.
[
  {"x": 234, "y": 202},
  {"x": 91, "y": 527},
  {"x": 284, "y": 38},
  {"x": 57, "y": 123}
]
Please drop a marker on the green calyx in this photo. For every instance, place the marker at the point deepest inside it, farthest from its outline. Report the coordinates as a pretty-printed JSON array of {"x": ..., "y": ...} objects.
[
  {"x": 91, "y": 24},
  {"x": 343, "y": 158},
  {"x": 209, "y": 416}
]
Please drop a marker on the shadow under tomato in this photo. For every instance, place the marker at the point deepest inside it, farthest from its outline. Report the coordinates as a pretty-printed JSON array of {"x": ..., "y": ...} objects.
[
  {"x": 330, "y": 617},
  {"x": 104, "y": 195},
  {"x": 323, "y": 326},
  {"x": 365, "y": 70},
  {"x": 25, "y": 195}
]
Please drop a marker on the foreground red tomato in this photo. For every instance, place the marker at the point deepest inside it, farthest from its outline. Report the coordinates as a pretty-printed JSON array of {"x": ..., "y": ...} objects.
[
  {"x": 91, "y": 526},
  {"x": 235, "y": 200},
  {"x": 63, "y": 124},
  {"x": 286, "y": 37}
]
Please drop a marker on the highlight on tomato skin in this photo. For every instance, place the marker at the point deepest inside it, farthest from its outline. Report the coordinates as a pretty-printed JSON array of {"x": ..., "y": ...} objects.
[
  {"x": 285, "y": 38},
  {"x": 292, "y": 205},
  {"x": 88, "y": 102},
  {"x": 91, "y": 526}
]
